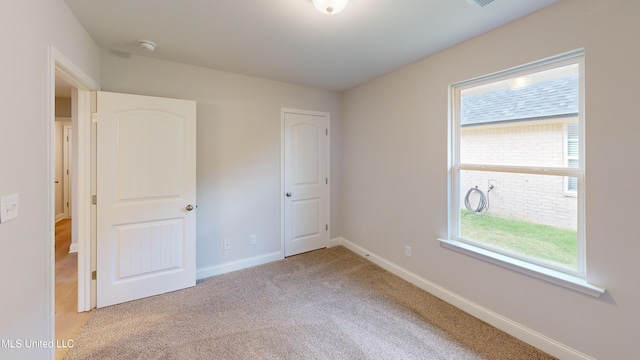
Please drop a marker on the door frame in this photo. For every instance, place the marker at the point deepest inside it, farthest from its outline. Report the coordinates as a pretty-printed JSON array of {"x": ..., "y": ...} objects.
[
  {"x": 284, "y": 111},
  {"x": 82, "y": 86}
]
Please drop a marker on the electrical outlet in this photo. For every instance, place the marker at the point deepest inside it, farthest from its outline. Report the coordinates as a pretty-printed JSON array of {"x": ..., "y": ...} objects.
[
  {"x": 407, "y": 251},
  {"x": 9, "y": 206},
  {"x": 226, "y": 244},
  {"x": 252, "y": 240}
]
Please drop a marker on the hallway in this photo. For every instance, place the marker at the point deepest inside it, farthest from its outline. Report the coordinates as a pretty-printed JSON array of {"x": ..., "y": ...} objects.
[{"x": 68, "y": 320}]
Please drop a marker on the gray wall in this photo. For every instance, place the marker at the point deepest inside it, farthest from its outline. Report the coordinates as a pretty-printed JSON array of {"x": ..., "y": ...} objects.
[
  {"x": 395, "y": 173},
  {"x": 388, "y": 165},
  {"x": 27, "y": 29},
  {"x": 238, "y": 150}
]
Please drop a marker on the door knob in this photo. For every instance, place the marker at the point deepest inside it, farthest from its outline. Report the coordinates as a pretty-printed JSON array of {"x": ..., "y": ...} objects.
[
  {"x": 189, "y": 207},
  {"x": 288, "y": 194}
]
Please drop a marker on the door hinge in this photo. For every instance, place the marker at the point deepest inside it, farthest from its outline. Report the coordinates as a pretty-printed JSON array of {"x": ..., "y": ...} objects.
[
  {"x": 94, "y": 117},
  {"x": 327, "y": 227},
  {"x": 94, "y": 199},
  {"x": 326, "y": 181},
  {"x": 94, "y": 275},
  {"x": 326, "y": 132}
]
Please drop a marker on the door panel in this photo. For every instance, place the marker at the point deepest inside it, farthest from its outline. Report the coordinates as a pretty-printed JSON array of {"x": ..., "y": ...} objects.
[
  {"x": 145, "y": 180},
  {"x": 306, "y": 218},
  {"x": 305, "y": 151},
  {"x": 306, "y": 204},
  {"x": 149, "y": 148},
  {"x": 151, "y": 247}
]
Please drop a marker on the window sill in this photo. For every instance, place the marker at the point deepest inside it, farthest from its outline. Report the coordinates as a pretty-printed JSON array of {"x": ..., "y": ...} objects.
[{"x": 539, "y": 272}]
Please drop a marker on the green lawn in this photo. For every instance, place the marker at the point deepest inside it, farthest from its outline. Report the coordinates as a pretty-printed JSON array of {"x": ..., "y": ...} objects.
[{"x": 555, "y": 245}]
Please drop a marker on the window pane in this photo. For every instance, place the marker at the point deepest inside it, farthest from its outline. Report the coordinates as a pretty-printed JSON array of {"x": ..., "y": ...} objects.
[
  {"x": 520, "y": 121},
  {"x": 523, "y": 214}
]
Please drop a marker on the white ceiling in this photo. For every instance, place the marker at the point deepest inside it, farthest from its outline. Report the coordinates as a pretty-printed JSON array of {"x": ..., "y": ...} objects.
[{"x": 289, "y": 40}]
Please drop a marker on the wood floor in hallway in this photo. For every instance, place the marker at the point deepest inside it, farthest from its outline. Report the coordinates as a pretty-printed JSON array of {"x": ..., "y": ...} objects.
[{"x": 68, "y": 320}]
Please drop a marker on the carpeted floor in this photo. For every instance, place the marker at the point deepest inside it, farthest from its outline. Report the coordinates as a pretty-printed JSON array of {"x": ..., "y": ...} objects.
[{"x": 327, "y": 304}]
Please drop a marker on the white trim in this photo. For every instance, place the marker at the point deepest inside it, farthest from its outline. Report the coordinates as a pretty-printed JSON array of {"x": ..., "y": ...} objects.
[
  {"x": 247, "y": 263},
  {"x": 533, "y": 170},
  {"x": 60, "y": 217},
  {"x": 238, "y": 265},
  {"x": 81, "y": 203},
  {"x": 72, "y": 73},
  {"x": 327, "y": 116},
  {"x": 548, "y": 63},
  {"x": 73, "y": 248},
  {"x": 50, "y": 296},
  {"x": 336, "y": 241},
  {"x": 455, "y": 167},
  {"x": 507, "y": 325},
  {"x": 58, "y": 63},
  {"x": 282, "y": 228},
  {"x": 540, "y": 272}
]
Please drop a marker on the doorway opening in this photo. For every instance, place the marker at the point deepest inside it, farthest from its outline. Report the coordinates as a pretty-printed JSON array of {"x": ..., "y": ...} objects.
[
  {"x": 68, "y": 319},
  {"x": 305, "y": 180},
  {"x": 73, "y": 88}
]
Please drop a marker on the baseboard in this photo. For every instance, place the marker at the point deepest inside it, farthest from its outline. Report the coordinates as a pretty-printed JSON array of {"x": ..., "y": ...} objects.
[
  {"x": 247, "y": 263},
  {"x": 237, "y": 265},
  {"x": 60, "y": 217},
  {"x": 512, "y": 328},
  {"x": 73, "y": 248},
  {"x": 336, "y": 241}
]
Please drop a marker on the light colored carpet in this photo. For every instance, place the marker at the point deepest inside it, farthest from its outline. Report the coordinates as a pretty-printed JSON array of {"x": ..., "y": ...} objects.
[{"x": 326, "y": 304}]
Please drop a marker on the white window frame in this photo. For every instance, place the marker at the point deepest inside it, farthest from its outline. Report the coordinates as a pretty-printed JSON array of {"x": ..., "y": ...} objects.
[{"x": 576, "y": 280}]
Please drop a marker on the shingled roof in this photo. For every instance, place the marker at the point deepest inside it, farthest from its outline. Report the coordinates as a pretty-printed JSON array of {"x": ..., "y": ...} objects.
[{"x": 556, "y": 97}]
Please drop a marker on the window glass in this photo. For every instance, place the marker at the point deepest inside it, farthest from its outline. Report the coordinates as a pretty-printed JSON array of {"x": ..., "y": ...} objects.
[
  {"x": 524, "y": 215},
  {"x": 520, "y": 120},
  {"x": 517, "y": 164}
]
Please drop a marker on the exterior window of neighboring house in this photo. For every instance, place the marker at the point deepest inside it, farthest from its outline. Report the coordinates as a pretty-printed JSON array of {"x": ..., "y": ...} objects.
[
  {"x": 517, "y": 167},
  {"x": 572, "y": 155}
]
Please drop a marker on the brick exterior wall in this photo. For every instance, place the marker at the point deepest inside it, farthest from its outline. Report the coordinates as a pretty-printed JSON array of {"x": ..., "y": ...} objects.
[{"x": 537, "y": 198}]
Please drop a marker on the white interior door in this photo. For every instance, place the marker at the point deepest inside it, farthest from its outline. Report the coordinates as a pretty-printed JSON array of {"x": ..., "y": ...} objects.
[
  {"x": 67, "y": 169},
  {"x": 59, "y": 179},
  {"x": 146, "y": 167},
  {"x": 306, "y": 181}
]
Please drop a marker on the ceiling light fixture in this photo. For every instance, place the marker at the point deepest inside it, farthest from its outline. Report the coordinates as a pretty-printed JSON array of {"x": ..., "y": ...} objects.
[
  {"x": 481, "y": 3},
  {"x": 147, "y": 45},
  {"x": 330, "y": 6}
]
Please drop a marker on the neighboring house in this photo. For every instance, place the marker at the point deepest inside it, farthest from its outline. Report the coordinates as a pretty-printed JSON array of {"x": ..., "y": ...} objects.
[{"x": 543, "y": 116}]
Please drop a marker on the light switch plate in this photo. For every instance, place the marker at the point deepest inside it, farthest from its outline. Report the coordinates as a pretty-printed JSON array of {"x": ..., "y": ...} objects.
[{"x": 8, "y": 208}]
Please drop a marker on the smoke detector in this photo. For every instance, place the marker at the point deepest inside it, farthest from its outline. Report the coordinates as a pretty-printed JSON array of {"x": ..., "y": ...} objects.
[
  {"x": 480, "y": 3},
  {"x": 147, "y": 45}
]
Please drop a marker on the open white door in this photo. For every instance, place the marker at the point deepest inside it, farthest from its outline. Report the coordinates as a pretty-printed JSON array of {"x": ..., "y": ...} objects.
[
  {"x": 67, "y": 138},
  {"x": 306, "y": 181},
  {"x": 146, "y": 185}
]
